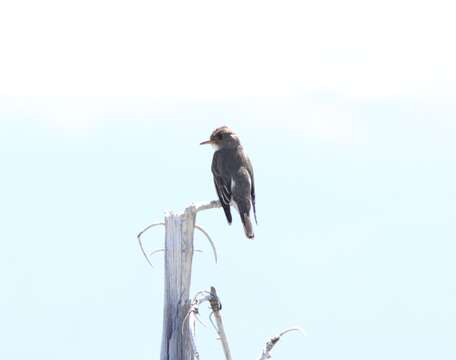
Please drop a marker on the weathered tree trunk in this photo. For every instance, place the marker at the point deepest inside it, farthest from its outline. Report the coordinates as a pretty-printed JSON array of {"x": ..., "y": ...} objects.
[
  {"x": 178, "y": 342},
  {"x": 179, "y": 231}
]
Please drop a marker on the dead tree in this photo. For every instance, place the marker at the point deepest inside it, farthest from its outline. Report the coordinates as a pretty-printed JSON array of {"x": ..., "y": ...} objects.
[{"x": 178, "y": 338}]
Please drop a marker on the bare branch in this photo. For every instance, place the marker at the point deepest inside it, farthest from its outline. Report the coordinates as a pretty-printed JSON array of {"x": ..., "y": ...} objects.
[
  {"x": 210, "y": 240},
  {"x": 266, "y": 353},
  {"x": 213, "y": 204},
  {"x": 192, "y": 317},
  {"x": 156, "y": 251},
  {"x": 192, "y": 329},
  {"x": 212, "y": 322},
  {"x": 216, "y": 307},
  {"x": 140, "y": 241},
  {"x": 296, "y": 328}
]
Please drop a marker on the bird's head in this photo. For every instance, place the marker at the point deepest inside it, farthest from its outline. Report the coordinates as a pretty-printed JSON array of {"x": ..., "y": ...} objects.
[{"x": 223, "y": 137}]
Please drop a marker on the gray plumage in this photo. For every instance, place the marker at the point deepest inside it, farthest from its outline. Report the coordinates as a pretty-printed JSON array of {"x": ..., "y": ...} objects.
[{"x": 233, "y": 176}]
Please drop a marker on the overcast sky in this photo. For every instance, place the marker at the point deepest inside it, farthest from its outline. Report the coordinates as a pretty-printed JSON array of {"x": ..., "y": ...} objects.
[{"x": 348, "y": 114}]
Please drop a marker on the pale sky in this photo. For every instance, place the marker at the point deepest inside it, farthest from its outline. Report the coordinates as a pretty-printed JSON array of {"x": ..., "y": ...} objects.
[
  {"x": 347, "y": 111},
  {"x": 213, "y": 49}
]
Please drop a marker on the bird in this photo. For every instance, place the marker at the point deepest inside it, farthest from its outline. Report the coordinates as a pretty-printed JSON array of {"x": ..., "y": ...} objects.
[{"x": 233, "y": 176}]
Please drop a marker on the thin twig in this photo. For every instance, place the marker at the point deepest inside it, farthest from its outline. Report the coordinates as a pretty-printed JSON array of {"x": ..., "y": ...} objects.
[
  {"x": 193, "y": 317},
  {"x": 296, "y": 328},
  {"x": 266, "y": 353},
  {"x": 194, "y": 307},
  {"x": 156, "y": 251},
  {"x": 192, "y": 329},
  {"x": 209, "y": 239},
  {"x": 140, "y": 241},
  {"x": 212, "y": 321}
]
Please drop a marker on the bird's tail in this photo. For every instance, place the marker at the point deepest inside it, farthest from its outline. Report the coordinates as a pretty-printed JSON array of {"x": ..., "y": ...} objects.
[{"x": 247, "y": 226}]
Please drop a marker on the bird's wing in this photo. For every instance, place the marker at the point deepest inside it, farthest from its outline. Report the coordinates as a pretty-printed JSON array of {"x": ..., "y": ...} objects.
[
  {"x": 222, "y": 186},
  {"x": 252, "y": 185}
]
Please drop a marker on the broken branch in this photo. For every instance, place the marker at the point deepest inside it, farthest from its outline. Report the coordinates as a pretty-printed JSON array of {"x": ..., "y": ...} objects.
[{"x": 266, "y": 353}]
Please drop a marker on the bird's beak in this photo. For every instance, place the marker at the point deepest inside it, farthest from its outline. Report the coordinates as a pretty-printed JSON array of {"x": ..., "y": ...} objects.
[{"x": 206, "y": 142}]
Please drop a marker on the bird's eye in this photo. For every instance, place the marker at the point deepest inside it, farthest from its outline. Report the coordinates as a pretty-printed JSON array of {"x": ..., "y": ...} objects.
[{"x": 220, "y": 136}]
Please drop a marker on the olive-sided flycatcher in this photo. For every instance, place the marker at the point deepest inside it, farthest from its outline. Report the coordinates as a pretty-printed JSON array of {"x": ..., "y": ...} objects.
[{"x": 233, "y": 176}]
